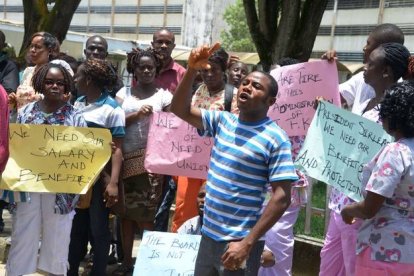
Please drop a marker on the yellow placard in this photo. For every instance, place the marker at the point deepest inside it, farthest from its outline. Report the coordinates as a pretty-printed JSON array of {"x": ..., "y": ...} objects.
[{"x": 55, "y": 159}]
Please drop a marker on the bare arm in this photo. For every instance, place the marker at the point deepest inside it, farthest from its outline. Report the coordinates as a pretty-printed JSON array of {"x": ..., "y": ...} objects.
[
  {"x": 181, "y": 102},
  {"x": 111, "y": 191},
  {"x": 237, "y": 252},
  {"x": 365, "y": 209}
]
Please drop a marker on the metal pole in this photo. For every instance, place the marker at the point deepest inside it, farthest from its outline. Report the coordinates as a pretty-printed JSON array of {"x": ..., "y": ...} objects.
[
  {"x": 88, "y": 18},
  {"x": 138, "y": 17},
  {"x": 308, "y": 215},
  {"x": 5, "y": 9},
  {"x": 164, "y": 24},
  {"x": 112, "y": 18},
  {"x": 335, "y": 14},
  {"x": 381, "y": 11}
]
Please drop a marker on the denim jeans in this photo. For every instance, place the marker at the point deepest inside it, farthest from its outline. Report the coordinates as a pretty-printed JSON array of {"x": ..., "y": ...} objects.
[
  {"x": 209, "y": 263},
  {"x": 163, "y": 214},
  {"x": 94, "y": 222}
]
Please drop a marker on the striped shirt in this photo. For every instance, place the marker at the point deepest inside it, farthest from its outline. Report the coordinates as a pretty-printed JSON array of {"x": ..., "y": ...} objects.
[
  {"x": 103, "y": 113},
  {"x": 244, "y": 159}
]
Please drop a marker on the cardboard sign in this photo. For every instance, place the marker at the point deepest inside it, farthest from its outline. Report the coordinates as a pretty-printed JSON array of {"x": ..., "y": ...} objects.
[
  {"x": 167, "y": 254},
  {"x": 337, "y": 146},
  {"x": 55, "y": 159},
  {"x": 299, "y": 85},
  {"x": 175, "y": 148}
]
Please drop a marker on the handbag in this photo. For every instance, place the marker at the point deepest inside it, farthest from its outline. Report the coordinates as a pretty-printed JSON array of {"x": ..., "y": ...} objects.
[{"x": 133, "y": 163}]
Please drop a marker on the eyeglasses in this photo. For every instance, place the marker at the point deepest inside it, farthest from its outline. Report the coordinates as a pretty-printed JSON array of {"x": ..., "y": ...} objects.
[
  {"x": 36, "y": 47},
  {"x": 59, "y": 83}
]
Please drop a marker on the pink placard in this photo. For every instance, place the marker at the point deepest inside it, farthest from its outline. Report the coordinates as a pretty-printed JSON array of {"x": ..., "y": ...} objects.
[
  {"x": 299, "y": 85},
  {"x": 175, "y": 148}
]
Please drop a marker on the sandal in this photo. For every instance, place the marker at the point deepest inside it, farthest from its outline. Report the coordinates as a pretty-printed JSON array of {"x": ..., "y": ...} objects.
[{"x": 123, "y": 270}]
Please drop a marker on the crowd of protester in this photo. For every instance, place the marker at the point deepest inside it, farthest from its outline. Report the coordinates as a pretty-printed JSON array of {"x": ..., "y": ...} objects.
[{"x": 242, "y": 234}]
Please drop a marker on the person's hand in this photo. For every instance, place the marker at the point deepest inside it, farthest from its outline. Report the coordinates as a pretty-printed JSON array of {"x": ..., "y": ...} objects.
[
  {"x": 111, "y": 190},
  {"x": 267, "y": 259},
  {"x": 233, "y": 59},
  {"x": 329, "y": 55},
  {"x": 111, "y": 194},
  {"x": 317, "y": 100},
  {"x": 144, "y": 111},
  {"x": 12, "y": 100},
  {"x": 198, "y": 59},
  {"x": 113, "y": 147},
  {"x": 346, "y": 217},
  {"x": 235, "y": 256}
]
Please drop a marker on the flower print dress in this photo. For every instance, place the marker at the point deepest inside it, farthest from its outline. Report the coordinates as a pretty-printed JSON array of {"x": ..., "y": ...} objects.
[{"x": 390, "y": 233}]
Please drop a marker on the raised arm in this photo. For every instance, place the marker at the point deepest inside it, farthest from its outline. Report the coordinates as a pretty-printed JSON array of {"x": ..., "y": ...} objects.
[{"x": 181, "y": 102}]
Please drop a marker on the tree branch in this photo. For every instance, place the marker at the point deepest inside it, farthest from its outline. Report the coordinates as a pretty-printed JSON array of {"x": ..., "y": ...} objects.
[
  {"x": 268, "y": 15},
  {"x": 258, "y": 37},
  {"x": 308, "y": 27},
  {"x": 286, "y": 30},
  {"x": 60, "y": 17},
  {"x": 38, "y": 18}
]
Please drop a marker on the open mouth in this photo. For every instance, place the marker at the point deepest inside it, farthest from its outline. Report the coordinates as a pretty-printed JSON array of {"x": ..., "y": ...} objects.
[{"x": 244, "y": 96}]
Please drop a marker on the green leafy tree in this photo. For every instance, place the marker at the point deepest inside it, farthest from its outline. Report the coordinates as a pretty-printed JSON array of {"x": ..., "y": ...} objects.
[
  {"x": 53, "y": 16},
  {"x": 237, "y": 38},
  {"x": 283, "y": 28}
]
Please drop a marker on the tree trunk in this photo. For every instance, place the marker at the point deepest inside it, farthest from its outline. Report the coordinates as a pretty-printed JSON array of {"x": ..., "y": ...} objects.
[
  {"x": 38, "y": 18},
  {"x": 283, "y": 28},
  {"x": 312, "y": 13},
  {"x": 259, "y": 39}
]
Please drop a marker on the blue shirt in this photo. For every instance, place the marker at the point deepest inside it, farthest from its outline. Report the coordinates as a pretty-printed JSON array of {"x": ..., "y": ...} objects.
[
  {"x": 244, "y": 159},
  {"x": 103, "y": 113}
]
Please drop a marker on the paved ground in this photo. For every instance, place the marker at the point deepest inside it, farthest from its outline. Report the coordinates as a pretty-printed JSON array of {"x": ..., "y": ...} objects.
[
  {"x": 5, "y": 238},
  {"x": 300, "y": 261}
]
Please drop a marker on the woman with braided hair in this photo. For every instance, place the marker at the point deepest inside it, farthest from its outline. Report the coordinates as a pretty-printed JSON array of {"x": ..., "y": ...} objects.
[
  {"x": 142, "y": 189},
  {"x": 45, "y": 215},
  {"x": 385, "y": 239},
  {"x": 385, "y": 65},
  {"x": 92, "y": 80},
  {"x": 410, "y": 72}
]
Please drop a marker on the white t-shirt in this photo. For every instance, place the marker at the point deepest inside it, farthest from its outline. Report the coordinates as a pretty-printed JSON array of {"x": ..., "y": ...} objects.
[
  {"x": 137, "y": 133},
  {"x": 357, "y": 93}
]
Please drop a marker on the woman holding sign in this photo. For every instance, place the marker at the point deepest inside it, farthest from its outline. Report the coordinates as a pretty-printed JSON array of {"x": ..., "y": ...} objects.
[
  {"x": 385, "y": 65},
  {"x": 142, "y": 189},
  {"x": 45, "y": 215},
  {"x": 100, "y": 110},
  {"x": 385, "y": 239}
]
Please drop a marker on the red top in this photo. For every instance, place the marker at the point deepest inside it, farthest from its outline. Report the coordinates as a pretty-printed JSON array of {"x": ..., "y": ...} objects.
[
  {"x": 4, "y": 129},
  {"x": 170, "y": 76}
]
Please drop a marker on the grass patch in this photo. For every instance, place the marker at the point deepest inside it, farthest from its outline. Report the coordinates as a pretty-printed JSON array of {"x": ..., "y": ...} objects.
[{"x": 317, "y": 222}]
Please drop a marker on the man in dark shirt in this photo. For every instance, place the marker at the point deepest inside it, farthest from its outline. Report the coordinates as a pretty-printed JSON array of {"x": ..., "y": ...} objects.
[{"x": 9, "y": 74}]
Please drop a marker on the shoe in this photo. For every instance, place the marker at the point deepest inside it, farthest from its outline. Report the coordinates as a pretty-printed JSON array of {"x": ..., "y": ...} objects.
[{"x": 123, "y": 270}]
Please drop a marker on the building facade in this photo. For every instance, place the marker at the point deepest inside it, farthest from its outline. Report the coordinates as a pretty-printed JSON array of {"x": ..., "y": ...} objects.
[{"x": 195, "y": 22}]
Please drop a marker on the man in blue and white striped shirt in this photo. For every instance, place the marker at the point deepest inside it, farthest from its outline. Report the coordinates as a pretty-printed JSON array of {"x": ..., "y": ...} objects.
[{"x": 250, "y": 151}]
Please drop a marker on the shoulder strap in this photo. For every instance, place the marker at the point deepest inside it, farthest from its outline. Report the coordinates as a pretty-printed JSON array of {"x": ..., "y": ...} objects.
[{"x": 228, "y": 96}]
